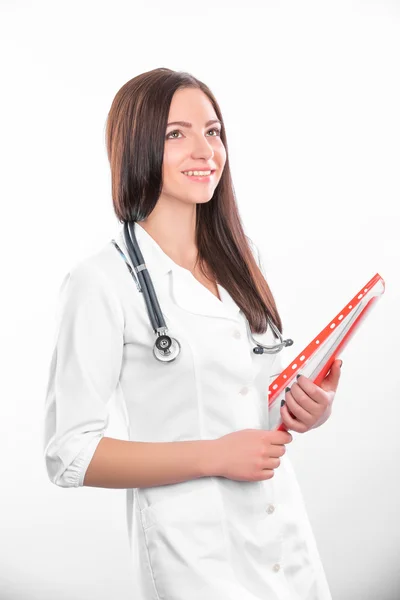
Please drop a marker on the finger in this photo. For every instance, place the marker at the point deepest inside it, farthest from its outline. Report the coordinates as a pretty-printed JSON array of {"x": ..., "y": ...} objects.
[
  {"x": 313, "y": 391},
  {"x": 331, "y": 381},
  {"x": 298, "y": 411},
  {"x": 304, "y": 400},
  {"x": 290, "y": 422},
  {"x": 277, "y": 451}
]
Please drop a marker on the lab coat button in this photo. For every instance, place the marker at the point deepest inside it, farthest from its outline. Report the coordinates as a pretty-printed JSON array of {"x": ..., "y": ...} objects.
[
  {"x": 270, "y": 509},
  {"x": 276, "y": 567},
  {"x": 244, "y": 390},
  {"x": 237, "y": 334}
]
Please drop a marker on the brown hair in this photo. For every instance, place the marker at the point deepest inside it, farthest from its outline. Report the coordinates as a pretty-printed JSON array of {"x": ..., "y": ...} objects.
[{"x": 135, "y": 137}]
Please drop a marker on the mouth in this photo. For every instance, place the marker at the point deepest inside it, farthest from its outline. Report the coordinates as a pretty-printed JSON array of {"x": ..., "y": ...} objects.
[{"x": 200, "y": 178}]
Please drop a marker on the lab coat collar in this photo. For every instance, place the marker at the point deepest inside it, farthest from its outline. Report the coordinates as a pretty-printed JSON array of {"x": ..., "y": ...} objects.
[{"x": 185, "y": 291}]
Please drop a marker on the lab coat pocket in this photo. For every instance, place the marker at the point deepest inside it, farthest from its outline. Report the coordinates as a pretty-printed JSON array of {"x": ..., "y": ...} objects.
[{"x": 184, "y": 538}]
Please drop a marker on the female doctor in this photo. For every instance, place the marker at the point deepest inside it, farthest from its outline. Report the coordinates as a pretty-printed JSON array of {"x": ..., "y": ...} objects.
[{"x": 214, "y": 511}]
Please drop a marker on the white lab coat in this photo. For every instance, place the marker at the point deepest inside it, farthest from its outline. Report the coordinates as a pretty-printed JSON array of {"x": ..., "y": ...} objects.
[{"x": 208, "y": 538}]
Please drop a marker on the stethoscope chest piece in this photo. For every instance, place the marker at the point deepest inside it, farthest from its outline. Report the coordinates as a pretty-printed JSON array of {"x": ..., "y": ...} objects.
[{"x": 166, "y": 348}]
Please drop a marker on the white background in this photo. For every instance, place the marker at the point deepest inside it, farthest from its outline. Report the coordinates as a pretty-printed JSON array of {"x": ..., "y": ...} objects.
[{"x": 310, "y": 95}]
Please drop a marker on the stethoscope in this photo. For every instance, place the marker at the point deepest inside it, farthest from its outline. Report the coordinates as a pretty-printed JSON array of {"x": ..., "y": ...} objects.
[{"x": 167, "y": 348}]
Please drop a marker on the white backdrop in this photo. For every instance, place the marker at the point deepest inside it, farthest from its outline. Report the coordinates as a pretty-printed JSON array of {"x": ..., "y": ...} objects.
[{"x": 310, "y": 96}]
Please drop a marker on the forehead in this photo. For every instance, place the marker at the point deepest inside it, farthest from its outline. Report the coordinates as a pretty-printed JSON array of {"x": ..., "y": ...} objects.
[{"x": 190, "y": 103}]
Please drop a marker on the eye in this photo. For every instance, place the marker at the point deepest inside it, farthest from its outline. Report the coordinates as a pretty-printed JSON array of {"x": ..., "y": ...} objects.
[{"x": 218, "y": 134}]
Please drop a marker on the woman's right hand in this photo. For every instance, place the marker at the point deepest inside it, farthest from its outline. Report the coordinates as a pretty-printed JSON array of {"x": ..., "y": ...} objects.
[{"x": 249, "y": 454}]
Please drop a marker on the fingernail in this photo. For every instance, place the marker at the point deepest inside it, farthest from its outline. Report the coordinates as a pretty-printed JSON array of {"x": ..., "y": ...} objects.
[
  {"x": 297, "y": 376},
  {"x": 283, "y": 403},
  {"x": 341, "y": 362},
  {"x": 287, "y": 389}
]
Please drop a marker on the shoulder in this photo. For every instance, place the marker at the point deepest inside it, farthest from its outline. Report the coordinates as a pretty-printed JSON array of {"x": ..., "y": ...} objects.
[
  {"x": 96, "y": 276},
  {"x": 88, "y": 299},
  {"x": 103, "y": 265},
  {"x": 90, "y": 270}
]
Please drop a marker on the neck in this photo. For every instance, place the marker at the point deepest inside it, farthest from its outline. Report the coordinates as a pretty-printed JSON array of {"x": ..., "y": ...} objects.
[{"x": 173, "y": 227}]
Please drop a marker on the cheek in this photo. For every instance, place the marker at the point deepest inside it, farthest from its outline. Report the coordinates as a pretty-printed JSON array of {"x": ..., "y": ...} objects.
[
  {"x": 221, "y": 153},
  {"x": 170, "y": 169},
  {"x": 172, "y": 161}
]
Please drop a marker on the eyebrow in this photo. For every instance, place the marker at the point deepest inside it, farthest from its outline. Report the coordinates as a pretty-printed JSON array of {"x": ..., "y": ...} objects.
[{"x": 186, "y": 124}]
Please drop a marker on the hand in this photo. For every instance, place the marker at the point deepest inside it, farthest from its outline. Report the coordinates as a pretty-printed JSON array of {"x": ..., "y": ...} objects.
[
  {"x": 249, "y": 454},
  {"x": 307, "y": 405}
]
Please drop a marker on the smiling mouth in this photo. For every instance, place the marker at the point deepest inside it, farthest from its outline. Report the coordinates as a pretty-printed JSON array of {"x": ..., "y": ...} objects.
[{"x": 200, "y": 176}]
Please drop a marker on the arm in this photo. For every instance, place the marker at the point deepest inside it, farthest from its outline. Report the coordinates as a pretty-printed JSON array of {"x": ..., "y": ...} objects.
[
  {"x": 84, "y": 372},
  {"x": 124, "y": 464}
]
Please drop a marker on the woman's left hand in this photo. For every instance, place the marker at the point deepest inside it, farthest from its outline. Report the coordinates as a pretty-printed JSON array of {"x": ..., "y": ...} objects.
[{"x": 307, "y": 405}]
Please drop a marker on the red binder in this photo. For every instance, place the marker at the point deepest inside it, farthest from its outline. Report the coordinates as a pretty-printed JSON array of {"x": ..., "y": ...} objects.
[{"x": 316, "y": 359}]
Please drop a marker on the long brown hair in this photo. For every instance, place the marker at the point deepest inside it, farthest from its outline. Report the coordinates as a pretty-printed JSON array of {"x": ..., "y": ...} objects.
[{"x": 135, "y": 137}]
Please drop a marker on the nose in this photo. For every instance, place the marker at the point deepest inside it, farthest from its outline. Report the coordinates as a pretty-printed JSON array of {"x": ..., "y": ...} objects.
[{"x": 201, "y": 147}]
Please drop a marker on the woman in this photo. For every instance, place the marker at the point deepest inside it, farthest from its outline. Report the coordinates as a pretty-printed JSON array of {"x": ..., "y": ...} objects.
[{"x": 213, "y": 508}]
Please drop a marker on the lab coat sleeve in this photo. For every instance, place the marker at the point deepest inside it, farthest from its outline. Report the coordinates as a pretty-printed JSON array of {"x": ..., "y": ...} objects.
[{"x": 84, "y": 372}]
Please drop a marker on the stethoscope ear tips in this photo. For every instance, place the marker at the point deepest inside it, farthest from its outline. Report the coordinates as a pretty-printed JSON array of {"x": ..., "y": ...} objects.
[
  {"x": 273, "y": 349},
  {"x": 258, "y": 350}
]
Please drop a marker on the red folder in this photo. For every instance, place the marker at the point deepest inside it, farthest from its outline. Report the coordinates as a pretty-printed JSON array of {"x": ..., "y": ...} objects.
[{"x": 316, "y": 359}]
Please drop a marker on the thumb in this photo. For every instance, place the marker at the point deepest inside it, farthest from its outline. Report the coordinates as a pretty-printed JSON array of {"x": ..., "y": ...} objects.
[{"x": 330, "y": 382}]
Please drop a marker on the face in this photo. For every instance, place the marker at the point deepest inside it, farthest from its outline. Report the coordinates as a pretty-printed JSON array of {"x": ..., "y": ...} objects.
[{"x": 187, "y": 148}]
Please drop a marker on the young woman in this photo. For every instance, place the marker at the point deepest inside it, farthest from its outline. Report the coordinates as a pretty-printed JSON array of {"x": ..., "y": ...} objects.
[{"x": 213, "y": 507}]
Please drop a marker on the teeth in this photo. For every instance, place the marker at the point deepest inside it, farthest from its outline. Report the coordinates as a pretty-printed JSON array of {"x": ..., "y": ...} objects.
[{"x": 197, "y": 173}]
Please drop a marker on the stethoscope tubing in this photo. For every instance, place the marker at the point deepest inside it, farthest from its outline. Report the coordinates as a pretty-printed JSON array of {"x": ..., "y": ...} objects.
[
  {"x": 145, "y": 285},
  {"x": 151, "y": 300}
]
